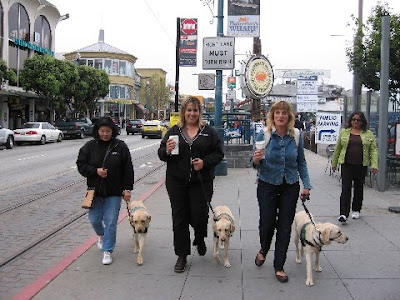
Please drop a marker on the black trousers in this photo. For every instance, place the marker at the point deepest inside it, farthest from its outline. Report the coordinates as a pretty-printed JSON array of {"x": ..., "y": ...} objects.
[
  {"x": 189, "y": 207},
  {"x": 277, "y": 205},
  {"x": 352, "y": 174}
]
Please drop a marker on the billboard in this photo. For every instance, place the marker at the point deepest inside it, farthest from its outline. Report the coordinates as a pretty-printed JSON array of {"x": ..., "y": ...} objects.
[{"x": 244, "y": 18}]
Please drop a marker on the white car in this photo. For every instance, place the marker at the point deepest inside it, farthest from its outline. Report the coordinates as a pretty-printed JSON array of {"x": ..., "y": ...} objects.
[
  {"x": 37, "y": 132},
  {"x": 6, "y": 137}
]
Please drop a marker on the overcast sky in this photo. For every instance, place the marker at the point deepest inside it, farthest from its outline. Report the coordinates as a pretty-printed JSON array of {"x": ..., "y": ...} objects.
[{"x": 294, "y": 34}]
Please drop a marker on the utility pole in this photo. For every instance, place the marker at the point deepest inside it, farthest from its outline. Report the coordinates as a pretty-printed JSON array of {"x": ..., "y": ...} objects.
[
  {"x": 356, "y": 80},
  {"x": 221, "y": 168},
  {"x": 256, "y": 103}
]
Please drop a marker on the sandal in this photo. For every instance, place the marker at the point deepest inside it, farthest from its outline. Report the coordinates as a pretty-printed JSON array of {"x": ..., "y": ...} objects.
[
  {"x": 281, "y": 278},
  {"x": 260, "y": 258}
]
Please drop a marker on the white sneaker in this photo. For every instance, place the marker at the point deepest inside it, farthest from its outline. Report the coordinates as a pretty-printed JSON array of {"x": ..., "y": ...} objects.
[
  {"x": 107, "y": 259},
  {"x": 355, "y": 214},
  {"x": 342, "y": 219},
  {"x": 100, "y": 243}
]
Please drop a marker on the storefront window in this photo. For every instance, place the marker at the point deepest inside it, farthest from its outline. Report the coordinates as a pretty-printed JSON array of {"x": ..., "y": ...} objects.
[{"x": 98, "y": 64}]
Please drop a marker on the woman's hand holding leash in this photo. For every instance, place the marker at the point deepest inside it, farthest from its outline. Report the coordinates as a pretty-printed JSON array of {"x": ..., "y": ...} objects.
[
  {"x": 102, "y": 172},
  {"x": 126, "y": 195},
  {"x": 198, "y": 164},
  {"x": 257, "y": 156},
  {"x": 305, "y": 195}
]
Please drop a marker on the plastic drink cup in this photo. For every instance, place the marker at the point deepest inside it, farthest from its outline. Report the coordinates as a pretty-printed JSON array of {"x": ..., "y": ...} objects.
[
  {"x": 260, "y": 145},
  {"x": 175, "y": 151}
]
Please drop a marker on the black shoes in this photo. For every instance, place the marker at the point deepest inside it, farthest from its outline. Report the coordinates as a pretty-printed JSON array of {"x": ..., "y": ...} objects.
[
  {"x": 201, "y": 248},
  {"x": 180, "y": 265}
]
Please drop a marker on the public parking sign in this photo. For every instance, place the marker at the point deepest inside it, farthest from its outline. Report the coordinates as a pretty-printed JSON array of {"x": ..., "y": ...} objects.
[
  {"x": 327, "y": 128},
  {"x": 218, "y": 53}
]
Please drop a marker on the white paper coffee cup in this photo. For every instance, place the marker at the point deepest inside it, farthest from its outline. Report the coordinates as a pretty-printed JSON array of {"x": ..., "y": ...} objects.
[
  {"x": 260, "y": 145},
  {"x": 175, "y": 151}
]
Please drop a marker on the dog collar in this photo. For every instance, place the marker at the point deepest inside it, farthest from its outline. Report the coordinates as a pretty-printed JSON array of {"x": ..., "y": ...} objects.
[
  {"x": 225, "y": 215},
  {"x": 136, "y": 208}
]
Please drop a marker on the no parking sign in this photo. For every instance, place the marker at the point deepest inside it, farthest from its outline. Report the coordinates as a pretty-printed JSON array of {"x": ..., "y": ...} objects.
[{"x": 327, "y": 128}]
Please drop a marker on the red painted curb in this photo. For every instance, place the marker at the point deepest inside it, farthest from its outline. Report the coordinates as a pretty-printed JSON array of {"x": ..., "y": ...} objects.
[{"x": 43, "y": 280}]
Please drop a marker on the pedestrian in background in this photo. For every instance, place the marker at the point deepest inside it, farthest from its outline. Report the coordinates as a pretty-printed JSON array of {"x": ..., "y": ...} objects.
[
  {"x": 355, "y": 150},
  {"x": 190, "y": 176},
  {"x": 279, "y": 165},
  {"x": 298, "y": 123},
  {"x": 106, "y": 163}
]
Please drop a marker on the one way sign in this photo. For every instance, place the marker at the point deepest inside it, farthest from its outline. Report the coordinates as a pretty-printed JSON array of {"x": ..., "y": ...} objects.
[{"x": 328, "y": 128}]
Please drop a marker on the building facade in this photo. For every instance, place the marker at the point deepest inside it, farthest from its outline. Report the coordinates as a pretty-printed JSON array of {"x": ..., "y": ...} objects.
[
  {"x": 122, "y": 100},
  {"x": 26, "y": 27}
]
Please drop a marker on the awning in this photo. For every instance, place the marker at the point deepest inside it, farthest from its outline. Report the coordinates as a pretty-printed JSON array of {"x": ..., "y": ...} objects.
[{"x": 119, "y": 101}]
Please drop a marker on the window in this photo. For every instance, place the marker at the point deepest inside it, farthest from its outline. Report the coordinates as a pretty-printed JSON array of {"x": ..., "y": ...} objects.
[
  {"x": 82, "y": 62},
  {"x": 122, "y": 68},
  {"x": 42, "y": 34},
  {"x": 18, "y": 25},
  {"x": 98, "y": 64},
  {"x": 90, "y": 62},
  {"x": 122, "y": 92},
  {"x": 107, "y": 66},
  {"x": 115, "y": 67}
]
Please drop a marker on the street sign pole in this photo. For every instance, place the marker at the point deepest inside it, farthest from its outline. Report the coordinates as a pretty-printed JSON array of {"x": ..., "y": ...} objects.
[
  {"x": 221, "y": 168},
  {"x": 178, "y": 42}
]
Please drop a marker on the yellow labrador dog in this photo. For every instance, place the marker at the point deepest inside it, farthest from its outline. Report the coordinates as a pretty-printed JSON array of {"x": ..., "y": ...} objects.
[
  {"x": 312, "y": 239},
  {"x": 223, "y": 227},
  {"x": 139, "y": 219}
]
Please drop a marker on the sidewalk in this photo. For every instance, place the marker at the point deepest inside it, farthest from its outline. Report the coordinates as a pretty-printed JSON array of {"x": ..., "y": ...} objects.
[{"x": 366, "y": 267}]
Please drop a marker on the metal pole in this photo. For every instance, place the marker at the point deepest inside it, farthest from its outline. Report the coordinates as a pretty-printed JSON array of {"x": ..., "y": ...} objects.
[
  {"x": 383, "y": 103},
  {"x": 356, "y": 81},
  {"x": 368, "y": 108},
  {"x": 178, "y": 42},
  {"x": 221, "y": 168}
]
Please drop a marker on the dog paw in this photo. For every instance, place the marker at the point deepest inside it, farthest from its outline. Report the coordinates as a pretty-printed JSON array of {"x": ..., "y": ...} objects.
[
  {"x": 139, "y": 261},
  {"x": 298, "y": 260},
  {"x": 227, "y": 264},
  {"x": 309, "y": 283},
  {"x": 135, "y": 250},
  {"x": 216, "y": 257},
  {"x": 318, "y": 269}
]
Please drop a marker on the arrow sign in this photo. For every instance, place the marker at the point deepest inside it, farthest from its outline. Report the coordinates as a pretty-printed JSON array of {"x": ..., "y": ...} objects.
[{"x": 325, "y": 131}]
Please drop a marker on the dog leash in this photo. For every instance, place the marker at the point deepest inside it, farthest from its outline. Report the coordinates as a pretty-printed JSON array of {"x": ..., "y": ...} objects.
[
  {"x": 205, "y": 196},
  {"x": 303, "y": 198}
]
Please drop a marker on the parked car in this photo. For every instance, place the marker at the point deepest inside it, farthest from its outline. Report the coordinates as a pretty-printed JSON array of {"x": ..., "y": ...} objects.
[
  {"x": 6, "y": 137},
  {"x": 154, "y": 129},
  {"x": 37, "y": 132},
  {"x": 75, "y": 127},
  {"x": 134, "y": 126}
]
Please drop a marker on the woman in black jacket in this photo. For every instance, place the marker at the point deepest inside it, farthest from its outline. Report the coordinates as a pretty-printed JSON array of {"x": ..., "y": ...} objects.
[
  {"x": 190, "y": 175},
  {"x": 106, "y": 163}
]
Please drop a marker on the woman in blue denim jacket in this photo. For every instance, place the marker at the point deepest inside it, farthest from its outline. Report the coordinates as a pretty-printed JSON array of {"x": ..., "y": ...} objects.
[{"x": 279, "y": 165}]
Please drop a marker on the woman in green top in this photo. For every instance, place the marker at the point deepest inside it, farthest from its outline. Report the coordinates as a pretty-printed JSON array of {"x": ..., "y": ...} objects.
[{"x": 355, "y": 150}]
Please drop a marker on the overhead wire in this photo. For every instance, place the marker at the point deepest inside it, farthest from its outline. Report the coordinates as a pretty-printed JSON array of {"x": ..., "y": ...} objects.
[{"x": 159, "y": 22}]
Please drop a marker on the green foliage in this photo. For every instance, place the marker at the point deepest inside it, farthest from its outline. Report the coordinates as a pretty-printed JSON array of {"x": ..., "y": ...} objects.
[
  {"x": 6, "y": 74},
  {"x": 159, "y": 93},
  {"x": 63, "y": 84},
  {"x": 364, "y": 59}
]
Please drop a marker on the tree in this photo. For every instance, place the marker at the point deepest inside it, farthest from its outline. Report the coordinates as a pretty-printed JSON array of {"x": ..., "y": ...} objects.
[
  {"x": 6, "y": 74},
  {"x": 159, "y": 93},
  {"x": 41, "y": 76},
  {"x": 93, "y": 84},
  {"x": 364, "y": 59}
]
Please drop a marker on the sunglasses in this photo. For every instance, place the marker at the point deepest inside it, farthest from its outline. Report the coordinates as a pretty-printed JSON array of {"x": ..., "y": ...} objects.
[{"x": 356, "y": 120}]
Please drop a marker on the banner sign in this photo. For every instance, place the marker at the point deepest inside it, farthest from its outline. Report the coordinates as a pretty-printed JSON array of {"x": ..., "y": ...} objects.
[
  {"x": 188, "y": 43},
  {"x": 231, "y": 82},
  {"x": 243, "y": 18},
  {"x": 327, "y": 128},
  {"x": 307, "y": 93}
]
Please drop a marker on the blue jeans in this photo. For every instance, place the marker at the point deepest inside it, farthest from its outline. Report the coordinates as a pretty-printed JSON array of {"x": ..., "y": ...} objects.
[
  {"x": 277, "y": 204},
  {"x": 103, "y": 217}
]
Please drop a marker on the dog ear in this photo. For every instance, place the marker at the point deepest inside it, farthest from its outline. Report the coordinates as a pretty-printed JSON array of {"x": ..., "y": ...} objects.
[
  {"x": 232, "y": 228},
  {"x": 148, "y": 218},
  {"x": 325, "y": 235}
]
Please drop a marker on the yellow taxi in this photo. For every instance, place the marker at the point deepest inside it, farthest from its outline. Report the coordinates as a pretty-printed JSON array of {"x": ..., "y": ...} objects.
[{"x": 154, "y": 128}]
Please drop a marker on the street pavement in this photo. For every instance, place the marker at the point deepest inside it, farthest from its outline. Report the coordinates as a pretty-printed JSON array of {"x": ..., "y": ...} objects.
[{"x": 366, "y": 267}]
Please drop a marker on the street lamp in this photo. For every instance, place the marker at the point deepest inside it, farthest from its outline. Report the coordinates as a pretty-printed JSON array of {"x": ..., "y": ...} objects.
[{"x": 147, "y": 97}]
